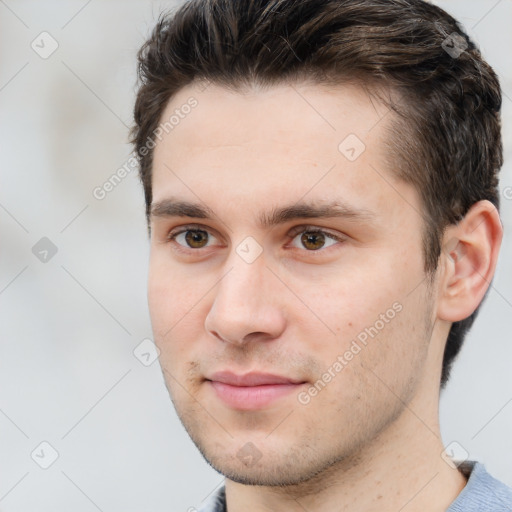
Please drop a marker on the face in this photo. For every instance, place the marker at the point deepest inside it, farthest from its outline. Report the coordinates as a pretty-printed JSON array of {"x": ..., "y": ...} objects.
[{"x": 286, "y": 287}]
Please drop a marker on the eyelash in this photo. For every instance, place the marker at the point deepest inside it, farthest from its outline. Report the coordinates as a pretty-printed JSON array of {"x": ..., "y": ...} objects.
[
  {"x": 171, "y": 237},
  {"x": 313, "y": 229}
]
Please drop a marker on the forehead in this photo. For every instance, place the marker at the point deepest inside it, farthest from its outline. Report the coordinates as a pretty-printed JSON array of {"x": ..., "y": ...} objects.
[
  {"x": 285, "y": 114},
  {"x": 275, "y": 144}
]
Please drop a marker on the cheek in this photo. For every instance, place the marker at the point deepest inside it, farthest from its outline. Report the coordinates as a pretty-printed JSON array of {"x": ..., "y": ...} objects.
[
  {"x": 160, "y": 298},
  {"x": 177, "y": 307},
  {"x": 367, "y": 315},
  {"x": 170, "y": 300},
  {"x": 396, "y": 346},
  {"x": 346, "y": 301}
]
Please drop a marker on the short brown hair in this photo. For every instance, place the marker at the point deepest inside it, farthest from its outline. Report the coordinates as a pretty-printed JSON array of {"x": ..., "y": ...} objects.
[{"x": 445, "y": 138}]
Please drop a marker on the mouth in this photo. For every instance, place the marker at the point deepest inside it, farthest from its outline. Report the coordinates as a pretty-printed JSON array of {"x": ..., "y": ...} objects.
[{"x": 253, "y": 390}]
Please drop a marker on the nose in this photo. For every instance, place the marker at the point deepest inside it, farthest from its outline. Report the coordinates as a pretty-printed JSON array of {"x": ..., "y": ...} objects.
[{"x": 246, "y": 306}]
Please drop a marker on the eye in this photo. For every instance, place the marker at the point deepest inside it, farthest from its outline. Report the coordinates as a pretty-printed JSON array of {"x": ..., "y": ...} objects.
[
  {"x": 313, "y": 239},
  {"x": 192, "y": 238}
]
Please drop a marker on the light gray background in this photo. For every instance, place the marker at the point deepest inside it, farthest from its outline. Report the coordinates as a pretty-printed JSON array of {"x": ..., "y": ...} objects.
[{"x": 68, "y": 374}]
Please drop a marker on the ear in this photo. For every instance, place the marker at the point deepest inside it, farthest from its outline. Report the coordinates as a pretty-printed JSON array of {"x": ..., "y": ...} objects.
[{"x": 469, "y": 257}]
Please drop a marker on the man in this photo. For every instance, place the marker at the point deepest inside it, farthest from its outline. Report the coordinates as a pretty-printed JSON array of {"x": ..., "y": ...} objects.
[{"x": 321, "y": 191}]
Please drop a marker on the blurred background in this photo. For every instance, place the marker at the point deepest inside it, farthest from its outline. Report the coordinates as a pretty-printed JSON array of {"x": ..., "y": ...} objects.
[{"x": 85, "y": 420}]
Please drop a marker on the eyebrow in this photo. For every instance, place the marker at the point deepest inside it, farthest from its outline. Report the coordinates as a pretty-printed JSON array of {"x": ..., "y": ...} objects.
[
  {"x": 173, "y": 208},
  {"x": 299, "y": 210},
  {"x": 302, "y": 210}
]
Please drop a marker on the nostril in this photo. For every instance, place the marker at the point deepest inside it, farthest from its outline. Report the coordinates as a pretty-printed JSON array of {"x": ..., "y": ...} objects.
[{"x": 258, "y": 336}]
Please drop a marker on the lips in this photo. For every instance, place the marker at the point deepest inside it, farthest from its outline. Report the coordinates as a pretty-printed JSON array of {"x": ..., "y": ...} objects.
[
  {"x": 251, "y": 379},
  {"x": 251, "y": 391}
]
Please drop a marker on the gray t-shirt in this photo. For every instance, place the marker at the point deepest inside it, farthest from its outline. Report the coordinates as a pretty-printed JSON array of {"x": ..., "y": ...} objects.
[{"x": 482, "y": 493}]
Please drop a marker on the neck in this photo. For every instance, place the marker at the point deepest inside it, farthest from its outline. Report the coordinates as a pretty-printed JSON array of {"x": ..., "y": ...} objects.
[{"x": 401, "y": 469}]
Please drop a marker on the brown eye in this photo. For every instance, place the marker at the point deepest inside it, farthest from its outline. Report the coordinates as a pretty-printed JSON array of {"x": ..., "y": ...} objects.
[
  {"x": 196, "y": 238},
  {"x": 191, "y": 239},
  {"x": 312, "y": 240}
]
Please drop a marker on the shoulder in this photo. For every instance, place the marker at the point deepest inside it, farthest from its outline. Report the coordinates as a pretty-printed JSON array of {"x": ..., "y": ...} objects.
[
  {"x": 216, "y": 502},
  {"x": 483, "y": 493}
]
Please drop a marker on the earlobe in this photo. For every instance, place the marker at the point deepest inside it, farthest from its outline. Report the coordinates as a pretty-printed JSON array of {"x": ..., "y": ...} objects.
[{"x": 469, "y": 258}]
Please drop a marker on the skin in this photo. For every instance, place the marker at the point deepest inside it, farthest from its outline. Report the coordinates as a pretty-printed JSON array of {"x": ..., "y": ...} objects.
[{"x": 370, "y": 439}]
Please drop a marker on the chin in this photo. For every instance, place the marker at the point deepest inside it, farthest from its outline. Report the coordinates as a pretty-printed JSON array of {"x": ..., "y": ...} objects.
[
  {"x": 262, "y": 475},
  {"x": 274, "y": 470}
]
